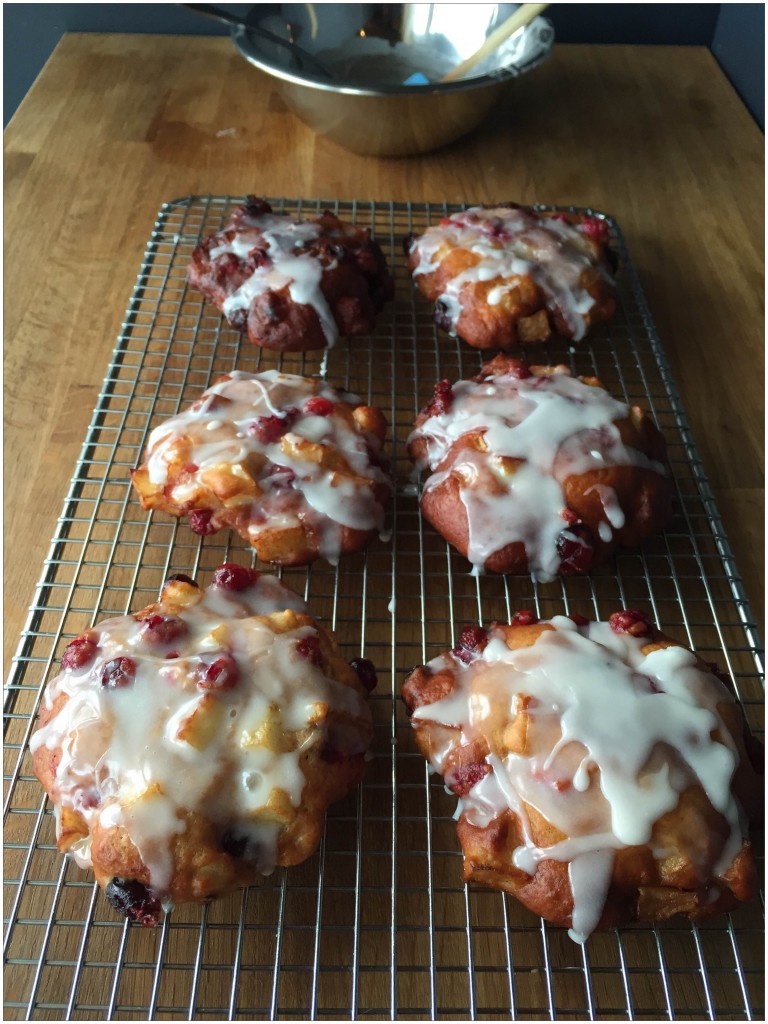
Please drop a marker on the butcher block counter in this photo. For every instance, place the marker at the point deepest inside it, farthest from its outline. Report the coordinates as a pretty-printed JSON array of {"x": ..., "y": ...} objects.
[{"x": 117, "y": 125}]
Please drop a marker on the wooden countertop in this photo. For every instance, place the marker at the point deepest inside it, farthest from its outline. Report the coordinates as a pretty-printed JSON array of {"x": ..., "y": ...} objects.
[{"x": 115, "y": 125}]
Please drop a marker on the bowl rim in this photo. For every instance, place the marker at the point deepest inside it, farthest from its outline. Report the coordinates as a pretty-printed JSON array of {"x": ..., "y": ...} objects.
[{"x": 239, "y": 36}]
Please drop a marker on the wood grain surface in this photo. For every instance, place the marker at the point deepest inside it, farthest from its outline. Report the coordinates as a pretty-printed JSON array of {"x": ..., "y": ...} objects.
[{"x": 116, "y": 125}]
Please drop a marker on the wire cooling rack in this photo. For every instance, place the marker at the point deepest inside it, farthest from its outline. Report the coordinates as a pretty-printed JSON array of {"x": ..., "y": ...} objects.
[{"x": 377, "y": 924}]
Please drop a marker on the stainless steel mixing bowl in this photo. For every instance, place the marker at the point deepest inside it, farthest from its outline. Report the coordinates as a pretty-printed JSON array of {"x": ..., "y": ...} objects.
[{"x": 341, "y": 68}]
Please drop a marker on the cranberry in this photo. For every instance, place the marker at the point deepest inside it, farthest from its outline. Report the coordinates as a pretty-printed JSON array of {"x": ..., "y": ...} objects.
[
  {"x": 496, "y": 227},
  {"x": 119, "y": 672},
  {"x": 525, "y": 617},
  {"x": 560, "y": 216},
  {"x": 255, "y": 207},
  {"x": 235, "y": 577},
  {"x": 200, "y": 522},
  {"x": 317, "y": 406},
  {"x": 472, "y": 639},
  {"x": 595, "y": 229},
  {"x": 443, "y": 400},
  {"x": 258, "y": 257},
  {"x": 442, "y": 316},
  {"x": 366, "y": 672},
  {"x": 241, "y": 845},
  {"x": 163, "y": 629},
  {"x": 238, "y": 319},
  {"x": 221, "y": 674},
  {"x": 134, "y": 900},
  {"x": 519, "y": 371},
  {"x": 171, "y": 654},
  {"x": 465, "y": 776},
  {"x": 179, "y": 577},
  {"x": 632, "y": 622},
  {"x": 446, "y": 222},
  {"x": 269, "y": 429},
  {"x": 281, "y": 477},
  {"x": 79, "y": 652},
  {"x": 570, "y": 517},
  {"x": 191, "y": 467},
  {"x": 580, "y": 620},
  {"x": 576, "y": 550},
  {"x": 309, "y": 648},
  {"x": 226, "y": 265}
]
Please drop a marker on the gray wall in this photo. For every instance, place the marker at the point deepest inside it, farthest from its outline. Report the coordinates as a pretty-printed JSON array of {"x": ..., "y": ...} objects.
[{"x": 735, "y": 32}]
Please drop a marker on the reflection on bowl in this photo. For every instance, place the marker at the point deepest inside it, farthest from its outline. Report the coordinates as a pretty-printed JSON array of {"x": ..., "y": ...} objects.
[{"x": 342, "y": 67}]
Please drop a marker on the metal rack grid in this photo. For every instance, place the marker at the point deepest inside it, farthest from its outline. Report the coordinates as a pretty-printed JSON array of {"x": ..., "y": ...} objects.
[{"x": 377, "y": 924}]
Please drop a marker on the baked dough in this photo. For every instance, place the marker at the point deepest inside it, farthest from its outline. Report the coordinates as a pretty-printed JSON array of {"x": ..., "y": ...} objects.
[
  {"x": 533, "y": 470},
  {"x": 190, "y": 748},
  {"x": 293, "y": 465},
  {"x": 601, "y": 769},
  {"x": 292, "y": 285},
  {"x": 507, "y": 276}
]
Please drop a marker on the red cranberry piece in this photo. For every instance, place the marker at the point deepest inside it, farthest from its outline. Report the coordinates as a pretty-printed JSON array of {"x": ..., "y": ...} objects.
[
  {"x": 221, "y": 674},
  {"x": 570, "y": 517},
  {"x": 256, "y": 207},
  {"x": 258, "y": 257},
  {"x": 595, "y": 229},
  {"x": 366, "y": 672},
  {"x": 465, "y": 776},
  {"x": 200, "y": 522},
  {"x": 118, "y": 672},
  {"x": 519, "y": 371},
  {"x": 309, "y": 647},
  {"x": 267, "y": 429},
  {"x": 235, "y": 577},
  {"x": 442, "y": 316},
  {"x": 632, "y": 622},
  {"x": 191, "y": 467},
  {"x": 446, "y": 222},
  {"x": 163, "y": 629},
  {"x": 580, "y": 620},
  {"x": 179, "y": 577},
  {"x": 281, "y": 477},
  {"x": 80, "y": 652},
  {"x": 238, "y": 318},
  {"x": 443, "y": 400},
  {"x": 134, "y": 900},
  {"x": 496, "y": 227},
  {"x": 171, "y": 654},
  {"x": 525, "y": 617},
  {"x": 560, "y": 216},
  {"x": 226, "y": 265},
  {"x": 472, "y": 640},
  {"x": 317, "y": 406},
  {"x": 576, "y": 551}
]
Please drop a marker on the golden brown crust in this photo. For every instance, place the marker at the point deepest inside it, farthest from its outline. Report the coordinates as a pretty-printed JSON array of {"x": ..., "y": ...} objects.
[
  {"x": 355, "y": 282},
  {"x": 644, "y": 495},
  {"x": 688, "y": 840},
  {"x": 524, "y": 314}
]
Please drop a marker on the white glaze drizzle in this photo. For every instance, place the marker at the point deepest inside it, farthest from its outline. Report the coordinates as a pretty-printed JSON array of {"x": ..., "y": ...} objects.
[
  {"x": 559, "y": 427},
  {"x": 614, "y": 737},
  {"x": 220, "y": 436},
  {"x": 301, "y": 272},
  {"x": 143, "y": 754},
  {"x": 512, "y": 244}
]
